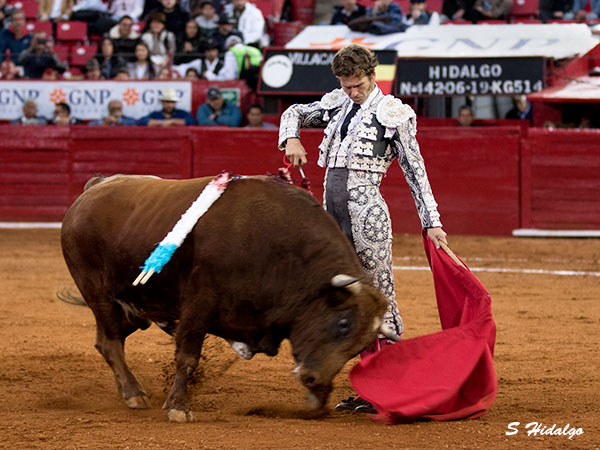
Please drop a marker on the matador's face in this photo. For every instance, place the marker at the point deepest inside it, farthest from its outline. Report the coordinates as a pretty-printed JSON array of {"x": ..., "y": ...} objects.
[{"x": 358, "y": 88}]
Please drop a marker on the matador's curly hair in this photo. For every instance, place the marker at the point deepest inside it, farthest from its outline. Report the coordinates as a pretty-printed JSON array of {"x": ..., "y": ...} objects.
[{"x": 354, "y": 61}]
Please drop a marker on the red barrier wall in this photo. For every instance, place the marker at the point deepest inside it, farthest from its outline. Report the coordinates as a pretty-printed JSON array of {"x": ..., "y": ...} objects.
[
  {"x": 474, "y": 172},
  {"x": 561, "y": 185}
]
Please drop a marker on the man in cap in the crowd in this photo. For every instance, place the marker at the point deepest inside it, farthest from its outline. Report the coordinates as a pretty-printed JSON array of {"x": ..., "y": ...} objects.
[
  {"x": 239, "y": 61},
  {"x": 115, "y": 116},
  {"x": 216, "y": 111},
  {"x": 29, "y": 116},
  {"x": 225, "y": 29},
  {"x": 169, "y": 115}
]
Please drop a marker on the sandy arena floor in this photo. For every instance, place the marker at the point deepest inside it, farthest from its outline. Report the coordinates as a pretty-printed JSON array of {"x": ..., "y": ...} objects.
[{"x": 57, "y": 391}]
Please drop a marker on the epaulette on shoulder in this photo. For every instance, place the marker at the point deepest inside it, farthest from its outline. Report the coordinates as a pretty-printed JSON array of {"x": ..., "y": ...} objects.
[
  {"x": 391, "y": 112},
  {"x": 334, "y": 99}
]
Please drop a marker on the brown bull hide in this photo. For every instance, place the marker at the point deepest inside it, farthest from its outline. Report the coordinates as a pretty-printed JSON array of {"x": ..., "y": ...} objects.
[{"x": 256, "y": 268}]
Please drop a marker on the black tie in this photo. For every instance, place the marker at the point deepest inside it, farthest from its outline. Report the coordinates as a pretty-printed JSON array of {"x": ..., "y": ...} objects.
[{"x": 347, "y": 120}]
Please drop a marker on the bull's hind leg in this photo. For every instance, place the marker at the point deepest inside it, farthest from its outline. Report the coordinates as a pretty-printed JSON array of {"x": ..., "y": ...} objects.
[
  {"x": 189, "y": 339},
  {"x": 113, "y": 326}
]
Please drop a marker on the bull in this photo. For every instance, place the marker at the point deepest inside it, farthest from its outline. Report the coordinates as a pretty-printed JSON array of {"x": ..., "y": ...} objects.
[{"x": 265, "y": 263}]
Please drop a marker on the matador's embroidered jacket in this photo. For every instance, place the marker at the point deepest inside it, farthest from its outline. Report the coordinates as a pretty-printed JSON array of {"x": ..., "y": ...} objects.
[{"x": 385, "y": 130}]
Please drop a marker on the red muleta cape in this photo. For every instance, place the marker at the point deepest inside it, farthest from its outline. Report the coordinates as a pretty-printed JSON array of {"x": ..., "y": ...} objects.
[{"x": 442, "y": 376}]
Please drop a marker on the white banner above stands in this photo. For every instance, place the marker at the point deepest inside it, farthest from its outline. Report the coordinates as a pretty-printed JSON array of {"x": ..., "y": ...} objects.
[
  {"x": 89, "y": 99},
  {"x": 556, "y": 41}
]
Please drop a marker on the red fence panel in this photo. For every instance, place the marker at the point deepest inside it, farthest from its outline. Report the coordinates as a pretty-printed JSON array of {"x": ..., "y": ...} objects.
[
  {"x": 128, "y": 150},
  {"x": 564, "y": 186},
  {"x": 34, "y": 180}
]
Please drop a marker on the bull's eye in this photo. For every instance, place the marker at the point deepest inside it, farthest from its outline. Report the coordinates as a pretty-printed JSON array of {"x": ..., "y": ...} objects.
[{"x": 344, "y": 327}]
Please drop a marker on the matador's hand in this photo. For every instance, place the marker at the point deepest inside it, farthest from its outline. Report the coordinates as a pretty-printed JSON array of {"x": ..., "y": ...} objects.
[
  {"x": 295, "y": 152},
  {"x": 437, "y": 235}
]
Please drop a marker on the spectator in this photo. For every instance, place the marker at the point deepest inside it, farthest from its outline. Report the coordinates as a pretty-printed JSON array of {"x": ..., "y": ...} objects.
[
  {"x": 29, "y": 116},
  {"x": 384, "y": 17},
  {"x": 455, "y": 9},
  {"x": 51, "y": 74},
  {"x": 216, "y": 111},
  {"x": 8, "y": 70},
  {"x": 122, "y": 74},
  {"x": 224, "y": 30},
  {"x": 55, "y": 10},
  {"x": 554, "y": 9},
  {"x": 95, "y": 14},
  {"x": 5, "y": 13},
  {"x": 62, "y": 115},
  {"x": 191, "y": 45},
  {"x": 124, "y": 38},
  {"x": 159, "y": 40},
  {"x": 349, "y": 10},
  {"x": 578, "y": 12},
  {"x": 255, "y": 116},
  {"x": 208, "y": 20},
  {"x": 192, "y": 74},
  {"x": 418, "y": 14},
  {"x": 115, "y": 116},
  {"x": 15, "y": 39},
  {"x": 521, "y": 110},
  {"x": 211, "y": 62},
  {"x": 109, "y": 62},
  {"x": 249, "y": 21},
  {"x": 168, "y": 116},
  {"x": 247, "y": 62},
  {"x": 92, "y": 70},
  {"x": 142, "y": 68},
  {"x": 465, "y": 116},
  {"x": 488, "y": 10},
  {"x": 164, "y": 74},
  {"x": 126, "y": 8},
  {"x": 38, "y": 57},
  {"x": 175, "y": 17}
]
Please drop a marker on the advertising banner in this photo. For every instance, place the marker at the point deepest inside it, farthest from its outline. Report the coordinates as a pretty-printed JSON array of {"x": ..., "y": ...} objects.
[
  {"x": 556, "y": 41},
  {"x": 308, "y": 72},
  {"x": 89, "y": 99},
  {"x": 468, "y": 76}
]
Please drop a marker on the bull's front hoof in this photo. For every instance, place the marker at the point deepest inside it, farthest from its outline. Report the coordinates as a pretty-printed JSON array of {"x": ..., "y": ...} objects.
[
  {"x": 138, "y": 402},
  {"x": 180, "y": 416},
  {"x": 313, "y": 403}
]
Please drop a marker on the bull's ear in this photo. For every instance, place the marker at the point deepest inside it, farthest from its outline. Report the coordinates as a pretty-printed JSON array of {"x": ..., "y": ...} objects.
[{"x": 342, "y": 280}]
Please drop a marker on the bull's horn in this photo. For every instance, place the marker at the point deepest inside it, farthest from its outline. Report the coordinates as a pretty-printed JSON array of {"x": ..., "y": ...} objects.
[
  {"x": 385, "y": 329},
  {"x": 346, "y": 281}
]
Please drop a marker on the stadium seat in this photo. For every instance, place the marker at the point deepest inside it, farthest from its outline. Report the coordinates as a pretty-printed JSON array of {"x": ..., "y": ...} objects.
[
  {"x": 523, "y": 9},
  {"x": 37, "y": 25},
  {"x": 62, "y": 51},
  {"x": 138, "y": 26},
  {"x": 29, "y": 7},
  {"x": 492, "y": 22},
  {"x": 80, "y": 54},
  {"x": 434, "y": 6},
  {"x": 71, "y": 31}
]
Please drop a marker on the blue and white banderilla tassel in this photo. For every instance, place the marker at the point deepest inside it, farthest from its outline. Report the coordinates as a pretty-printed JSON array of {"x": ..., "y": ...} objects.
[{"x": 162, "y": 254}]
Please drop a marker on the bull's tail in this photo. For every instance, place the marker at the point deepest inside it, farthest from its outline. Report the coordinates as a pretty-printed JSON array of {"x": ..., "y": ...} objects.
[{"x": 67, "y": 296}]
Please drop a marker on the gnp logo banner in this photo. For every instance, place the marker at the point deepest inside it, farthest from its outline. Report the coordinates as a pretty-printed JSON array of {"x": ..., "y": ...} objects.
[{"x": 89, "y": 100}]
